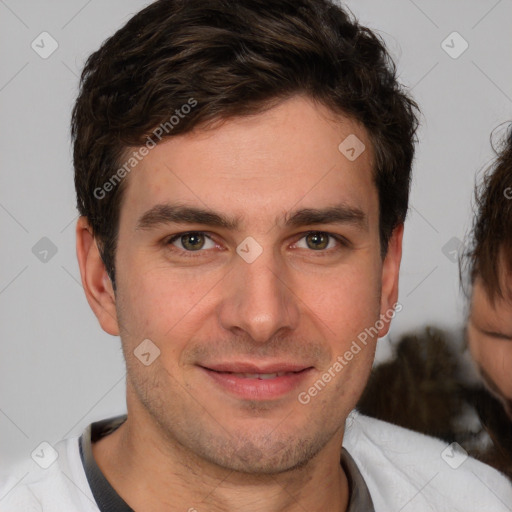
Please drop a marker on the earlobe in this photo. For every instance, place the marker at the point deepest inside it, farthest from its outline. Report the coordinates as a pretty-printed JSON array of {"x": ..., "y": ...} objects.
[
  {"x": 95, "y": 280},
  {"x": 390, "y": 275}
]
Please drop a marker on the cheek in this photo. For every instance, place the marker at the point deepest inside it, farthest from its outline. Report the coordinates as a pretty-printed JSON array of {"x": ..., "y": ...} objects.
[
  {"x": 346, "y": 301},
  {"x": 159, "y": 304},
  {"x": 498, "y": 362},
  {"x": 495, "y": 357},
  {"x": 474, "y": 345},
  {"x": 478, "y": 346}
]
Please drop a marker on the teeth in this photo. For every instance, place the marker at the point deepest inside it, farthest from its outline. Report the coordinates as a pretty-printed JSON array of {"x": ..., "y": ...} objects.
[{"x": 261, "y": 376}]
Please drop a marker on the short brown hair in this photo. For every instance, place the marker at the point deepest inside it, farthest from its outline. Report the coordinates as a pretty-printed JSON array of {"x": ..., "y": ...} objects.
[
  {"x": 490, "y": 244},
  {"x": 234, "y": 58}
]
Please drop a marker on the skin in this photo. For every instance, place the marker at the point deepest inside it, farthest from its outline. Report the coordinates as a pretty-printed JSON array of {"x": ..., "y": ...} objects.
[
  {"x": 187, "y": 442},
  {"x": 489, "y": 334}
]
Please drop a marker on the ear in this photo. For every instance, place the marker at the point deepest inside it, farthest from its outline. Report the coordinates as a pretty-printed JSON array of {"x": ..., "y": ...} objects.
[
  {"x": 390, "y": 272},
  {"x": 95, "y": 280}
]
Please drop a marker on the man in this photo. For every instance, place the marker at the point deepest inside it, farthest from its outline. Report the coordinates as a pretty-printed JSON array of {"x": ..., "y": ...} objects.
[
  {"x": 489, "y": 327},
  {"x": 242, "y": 171},
  {"x": 446, "y": 396}
]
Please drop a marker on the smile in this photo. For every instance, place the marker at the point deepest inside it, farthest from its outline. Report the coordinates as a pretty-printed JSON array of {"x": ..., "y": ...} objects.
[{"x": 257, "y": 385}]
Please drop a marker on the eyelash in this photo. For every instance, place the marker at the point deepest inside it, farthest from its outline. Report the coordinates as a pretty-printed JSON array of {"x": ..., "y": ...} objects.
[{"x": 343, "y": 242}]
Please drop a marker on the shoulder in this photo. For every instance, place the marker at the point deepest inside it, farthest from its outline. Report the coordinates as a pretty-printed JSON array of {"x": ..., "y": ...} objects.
[
  {"x": 55, "y": 484},
  {"x": 411, "y": 471}
]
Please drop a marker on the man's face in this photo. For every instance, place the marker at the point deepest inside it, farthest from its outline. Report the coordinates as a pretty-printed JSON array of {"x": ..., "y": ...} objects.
[
  {"x": 221, "y": 313},
  {"x": 489, "y": 333}
]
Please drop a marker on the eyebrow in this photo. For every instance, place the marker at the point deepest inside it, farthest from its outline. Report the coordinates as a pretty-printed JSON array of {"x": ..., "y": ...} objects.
[
  {"x": 166, "y": 213},
  {"x": 496, "y": 334}
]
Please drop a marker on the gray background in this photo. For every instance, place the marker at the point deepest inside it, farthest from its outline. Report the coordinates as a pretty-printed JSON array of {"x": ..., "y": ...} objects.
[{"x": 58, "y": 370}]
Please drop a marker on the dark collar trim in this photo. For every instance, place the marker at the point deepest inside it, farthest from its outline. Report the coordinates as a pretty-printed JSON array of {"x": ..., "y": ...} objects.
[
  {"x": 105, "y": 495},
  {"x": 108, "y": 500},
  {"x": 359, "y": 495}
]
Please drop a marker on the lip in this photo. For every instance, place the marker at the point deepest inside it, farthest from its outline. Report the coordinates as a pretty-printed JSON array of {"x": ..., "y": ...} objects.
[
  {"x": 227, "y": 377},
  {"x": 245, "y": 367}
]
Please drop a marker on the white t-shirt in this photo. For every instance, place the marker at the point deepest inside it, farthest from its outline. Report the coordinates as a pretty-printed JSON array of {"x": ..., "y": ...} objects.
[
  {"x": 404, "y": 472},
  {"x": 410, "y": 472}
]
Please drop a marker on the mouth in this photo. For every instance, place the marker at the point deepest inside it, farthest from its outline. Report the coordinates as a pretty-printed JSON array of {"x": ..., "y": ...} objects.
[
  {"x": 249, "y": 382},
  {"x": 260, "y": 376}
]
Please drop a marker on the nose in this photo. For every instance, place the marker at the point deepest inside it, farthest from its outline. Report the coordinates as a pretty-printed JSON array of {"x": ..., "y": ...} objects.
[{"x": 258, "y": 299}]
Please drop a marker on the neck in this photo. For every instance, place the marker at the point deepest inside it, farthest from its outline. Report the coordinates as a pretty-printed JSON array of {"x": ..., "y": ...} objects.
[{"x": 151, "y": 472}]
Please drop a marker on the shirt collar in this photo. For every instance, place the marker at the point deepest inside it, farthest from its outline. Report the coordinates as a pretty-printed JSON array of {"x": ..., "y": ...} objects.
[{"x": 108, "y": 500}]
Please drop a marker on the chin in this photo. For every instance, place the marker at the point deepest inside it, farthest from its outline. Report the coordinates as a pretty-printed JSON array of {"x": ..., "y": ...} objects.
[
  {"x": 507, "y": 405},
  {"x": 261, "y": 456},
  {"x": 256, "y": 462}
]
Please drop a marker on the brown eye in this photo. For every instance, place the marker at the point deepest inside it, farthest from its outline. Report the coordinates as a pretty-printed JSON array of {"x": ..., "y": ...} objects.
[
  {"x": 192, "y": 242},
  {"x": 317, "y": 241}
]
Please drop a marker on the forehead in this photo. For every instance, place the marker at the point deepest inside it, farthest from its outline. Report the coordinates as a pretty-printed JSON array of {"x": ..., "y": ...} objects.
[
  {"x": 487, "y": 314},
  {"x": 259, "y": 165}
]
